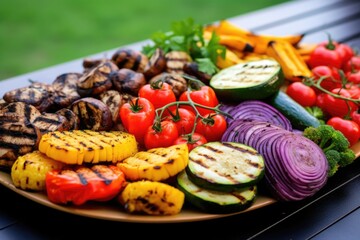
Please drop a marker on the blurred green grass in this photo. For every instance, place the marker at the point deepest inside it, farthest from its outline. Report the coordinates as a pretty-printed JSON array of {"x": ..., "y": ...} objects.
[{"x": 37, "y": 34}]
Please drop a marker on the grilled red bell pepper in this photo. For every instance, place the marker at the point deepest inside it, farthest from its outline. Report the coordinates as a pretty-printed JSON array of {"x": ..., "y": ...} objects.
[{"x": 81, "y": 184}]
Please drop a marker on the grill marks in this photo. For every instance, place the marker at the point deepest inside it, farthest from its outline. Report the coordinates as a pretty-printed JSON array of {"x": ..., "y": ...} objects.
[{"x": 230, "y": 161}]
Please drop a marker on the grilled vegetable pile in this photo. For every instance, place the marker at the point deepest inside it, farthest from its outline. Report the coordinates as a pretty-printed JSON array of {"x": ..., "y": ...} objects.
[{"x": 201, "y": 116}]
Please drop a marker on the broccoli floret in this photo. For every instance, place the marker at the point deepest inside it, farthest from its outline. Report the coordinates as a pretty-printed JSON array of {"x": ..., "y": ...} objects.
[
  {"x": 333, "y": 158},
  {"x": 313, "y": 134},
  {"x": 346, "y": 157},
  {"x": 334, "y": 144},
  {"x": 338, "y": 142}
]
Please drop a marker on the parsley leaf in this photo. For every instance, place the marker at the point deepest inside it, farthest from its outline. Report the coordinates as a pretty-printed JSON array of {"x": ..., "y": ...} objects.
[{"x": 187, "y": 36}]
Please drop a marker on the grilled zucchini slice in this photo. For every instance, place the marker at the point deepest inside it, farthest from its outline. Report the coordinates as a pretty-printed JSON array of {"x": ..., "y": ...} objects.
[
  {"x": 256, "y": 79},
  {"x": 211, "y": 201},
  {"x": 225, "y": 166}
]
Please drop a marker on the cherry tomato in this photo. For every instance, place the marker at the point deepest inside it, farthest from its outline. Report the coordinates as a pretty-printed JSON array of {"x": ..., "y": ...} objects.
[
  {"x": 331, "y": 77},
  {"x": 320, "y": 101},
  {"x": 163, "y": 135},
  {"x": 184, "y": 120},
  {"x": 354, "y": 90},
  {"x": 204, "y": 96},
  {"x": 355, "y": 116},
  {"x": 302, "y": 94},
  {"x": 349, "y": 128},
  {"x": 338, "y": 107},
  {"x": 158, "y": 93},
  {"x": 137, "y": 116},
  {"x": 345, "y": 51},
  {"x": 192, "y": 140},
  {"x": 212, "y": 126},
  {"x": 326, "y": 54},
  {"x": 352, "y": 64},
  {"x": 353, "y": 76}
]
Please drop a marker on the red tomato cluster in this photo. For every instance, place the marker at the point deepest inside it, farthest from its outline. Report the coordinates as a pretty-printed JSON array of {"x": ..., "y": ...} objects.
[
  {"x": 183, "y": 121},
  {"x": 339, "y": 69}
]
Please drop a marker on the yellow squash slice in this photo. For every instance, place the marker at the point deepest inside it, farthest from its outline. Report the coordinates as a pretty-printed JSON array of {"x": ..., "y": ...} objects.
[
  {"x": 87, "y": 146},
  {"x": 153, "y": 198},
  {"x": 156, "y": 164},
  {"x": 29, "y": 171}
]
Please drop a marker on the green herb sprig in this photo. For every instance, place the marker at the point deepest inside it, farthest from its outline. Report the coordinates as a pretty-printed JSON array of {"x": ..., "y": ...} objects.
[{"x": 187, "y": 36}]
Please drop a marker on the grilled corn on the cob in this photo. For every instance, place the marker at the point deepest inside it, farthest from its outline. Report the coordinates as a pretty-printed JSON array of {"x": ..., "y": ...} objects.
[
  {"x": 29, "y": 171},
  {"x": 87, "y": 146},
  {"x": 156, "y": 164},
  {"x": 153, "y": 198}
]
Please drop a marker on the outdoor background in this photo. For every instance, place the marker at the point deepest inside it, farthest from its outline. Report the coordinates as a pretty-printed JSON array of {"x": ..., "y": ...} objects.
[{"x": 37, "y": 33}]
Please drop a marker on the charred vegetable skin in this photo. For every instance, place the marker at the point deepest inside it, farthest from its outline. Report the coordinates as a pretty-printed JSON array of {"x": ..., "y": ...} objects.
[
  {"x": 86, "y": 146},
  {"x": 82, "y": 184},
  {"x": 211, "y": 201},
  {"x": 153, "y": 198},
  {"x": 225, "y": 166},
  {"x": 249, "y": 80}
]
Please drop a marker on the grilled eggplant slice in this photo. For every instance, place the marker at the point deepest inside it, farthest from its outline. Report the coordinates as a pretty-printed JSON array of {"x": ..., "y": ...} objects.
[
  {"x": 157, "y": 164},
  {"x": 130, "y": 59},
  {"x": 93, "y": 114},
  {"x": 152, "y": 198},
  {"x": 18, "y": 138},
  {"x": 29, "y": 171},
  {"x": 225, "y": 166},
  {"x": 86, "y": 146},
  {"x": 211, "y": 201},
  {"x": 47, "y": 122},
  {"x": 97, "y": 80}
]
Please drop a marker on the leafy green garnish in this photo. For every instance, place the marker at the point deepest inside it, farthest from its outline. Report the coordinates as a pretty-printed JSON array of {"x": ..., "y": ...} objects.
[{"x": 187, "y": 36}]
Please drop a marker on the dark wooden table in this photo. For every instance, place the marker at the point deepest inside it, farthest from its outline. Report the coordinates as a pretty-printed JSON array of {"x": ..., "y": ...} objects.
[{"x": 333, "y": 213}]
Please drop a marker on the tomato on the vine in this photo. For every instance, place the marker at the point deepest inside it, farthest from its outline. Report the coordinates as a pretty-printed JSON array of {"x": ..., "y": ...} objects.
[
  {"x": 136, "y": 116},
  {"x": 184, "y": 120},
  {"x": 330, "y": 75},
  {"x": 353, "y": 76},
  {"x": 192, "y": 140},
  {"x": 326, "y": 53},
  {"x": 161, "y": 135},
  {"x": 212, "y": 126},
  {"x": 158, "y": 93},
  {"x": 337, "y": 107},
  {"x": 352, "y": 64},
  {"x": 349, "y": 128},
  {"x": 205, "y": 95},
  {"x": 302, "y": 94}
]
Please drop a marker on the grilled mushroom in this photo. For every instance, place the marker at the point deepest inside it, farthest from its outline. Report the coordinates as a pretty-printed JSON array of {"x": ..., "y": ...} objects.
[
  {"x": 177, "y": 82},
  {"x": 128, "y": 81},
  {"x": 97, "y": 80},
  {"x": 175, "y": 61},
  {"x": 130, "y": 59},
  {"x": 156, "y": 65},
  {"x": 65, "y": 89},
  {"x": 39, "y": 95},
  {"x": 93, "y": 114}
]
